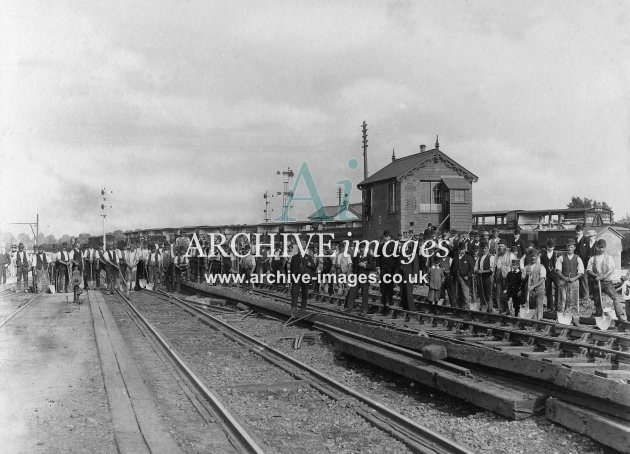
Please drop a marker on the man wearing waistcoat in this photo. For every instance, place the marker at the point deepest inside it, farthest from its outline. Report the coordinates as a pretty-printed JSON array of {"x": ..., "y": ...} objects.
[
  {"x": 570, "y": 269},
  {"x": 503, "y": 265},
  {"x": 5, "y": 261},
  {"x": 519, "y": 243},
  {"x": 40, "y": 268},
  {"x": 462, "y": 271},
  {"x": 548, "y": 260},
  {"x": 91, "y": 268},
  {"x": 484, "y": 268},
  {"x": 76, "y": 258},
  {"x": 154, "y": 264},
  {"x": 63, "y": 267},
  {"x": 111, "y": 268},
  {"x": 581, "y": 249},
  {"x": 22, "y": 266},
  {"x": 600, "y": 270},
  {"x": 54, "y": 266}
]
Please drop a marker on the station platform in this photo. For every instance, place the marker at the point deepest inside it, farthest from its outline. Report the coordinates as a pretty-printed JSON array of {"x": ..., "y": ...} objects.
[{"x": 68, "y": 382}]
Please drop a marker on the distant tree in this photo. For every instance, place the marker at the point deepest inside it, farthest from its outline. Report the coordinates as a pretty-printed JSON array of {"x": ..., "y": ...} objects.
[
  {"x": 24, "y": 238},
  {"x": 625, "y": 221},
  {"x": 65, "y": 238},
  {"x": 50, "y": 239},
  {"x": 6, "y": 239},
  {"x": 578, "y": 202}
]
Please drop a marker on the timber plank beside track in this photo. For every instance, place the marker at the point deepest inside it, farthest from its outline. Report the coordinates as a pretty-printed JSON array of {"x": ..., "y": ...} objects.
[
  {"x": 605, "y": 429},
  {"x": 601, "y": 393}
]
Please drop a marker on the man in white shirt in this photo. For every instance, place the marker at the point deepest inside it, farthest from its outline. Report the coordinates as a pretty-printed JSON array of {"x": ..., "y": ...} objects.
[
  {"x": 484, "y": 269},
  {"x": 63, "y": 267},
  {"x": 343, "y": 266},
  {"x": 535, "y": 275},
  {"x": 91, "y": 267},
  {"x": 22, "y": 265},
  {"x": 600, "y": 270},
  {"x": 143, "y": 257},
  {"x": 154, "y": 264},
  {"x": 111, "y": 268},
  {"x": 40, "y": 269},
  {"x": 570, "y": 269},
  {"x": 502, "y": 266},
  {"x": 180, "y": 265}
]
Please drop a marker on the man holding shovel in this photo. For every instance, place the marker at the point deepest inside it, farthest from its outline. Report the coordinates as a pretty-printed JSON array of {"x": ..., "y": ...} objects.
[
  {"x": 91, "y": 268},
  {"x": 112, "y": 268},
  {"x": 535, "y": 276},
  {"x": 600, "y": 270},
  {"x": 570, "y": 269}
]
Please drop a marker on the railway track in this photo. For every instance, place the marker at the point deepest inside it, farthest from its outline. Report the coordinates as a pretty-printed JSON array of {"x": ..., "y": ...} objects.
[
  {"x": 595, "y": 350},
  {"x": 320, "y": 394},
  {"x": 12, "y": 304},
  {"x": 583, "y": 374}
]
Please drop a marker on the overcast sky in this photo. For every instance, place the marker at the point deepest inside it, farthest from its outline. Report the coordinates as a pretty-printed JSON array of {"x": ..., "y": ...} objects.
[{"x": 186, "y": 109}]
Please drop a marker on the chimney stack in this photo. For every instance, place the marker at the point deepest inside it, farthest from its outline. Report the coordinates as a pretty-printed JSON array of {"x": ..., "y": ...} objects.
[
  {"x": 423, "y": 148},
  {"x": 393, "y": 155}
]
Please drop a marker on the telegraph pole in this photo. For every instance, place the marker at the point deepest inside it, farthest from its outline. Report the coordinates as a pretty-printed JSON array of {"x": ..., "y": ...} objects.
[
  {"x": 104, "y": 214},
  {"x": 365, "y": 145},
  {"x": 35, "y": 224},
  {"x": 287, "y": 174},
  {"x": 266, "y": 197}
]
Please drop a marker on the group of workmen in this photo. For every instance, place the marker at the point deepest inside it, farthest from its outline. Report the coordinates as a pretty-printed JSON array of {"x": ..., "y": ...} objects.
[
  {"x": 126, "y": 266},
  {"x": 480, "y": 267}
]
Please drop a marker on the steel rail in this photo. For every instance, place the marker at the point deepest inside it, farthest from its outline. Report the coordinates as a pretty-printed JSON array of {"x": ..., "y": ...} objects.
[
  {"x": 236, "y": 430},
  {"x": 415, "y": 436},
  {"x": 551, "y": 335},
  {"x": 20, "y": 309}
]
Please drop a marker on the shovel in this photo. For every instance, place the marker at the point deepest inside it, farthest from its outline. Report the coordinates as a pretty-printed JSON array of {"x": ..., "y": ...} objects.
[
  {"x": 51, "y": 288},
  {"x": 604, "y": 322},
  {"x": 525, "y": 312},
  {"x": 125, "y": 283},
  {"x": 564, "y": 317},
  {"x": 91, "y": 282}
]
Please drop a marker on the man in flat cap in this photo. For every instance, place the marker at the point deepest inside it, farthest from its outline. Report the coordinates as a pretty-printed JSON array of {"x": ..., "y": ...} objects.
[
  {"x": 570, "y": 270},
  {"x": 600, "y": 269}
]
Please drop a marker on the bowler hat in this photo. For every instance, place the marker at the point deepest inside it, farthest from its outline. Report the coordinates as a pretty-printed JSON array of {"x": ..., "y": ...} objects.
[
  {"x": 600, "y": 243},
  {"x": 590, "y": 233},
  {"x": 570, "y": 241}
]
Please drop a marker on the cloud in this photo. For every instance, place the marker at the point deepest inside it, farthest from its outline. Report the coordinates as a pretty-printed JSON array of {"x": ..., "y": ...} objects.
[{"x": 188, "y": 109}]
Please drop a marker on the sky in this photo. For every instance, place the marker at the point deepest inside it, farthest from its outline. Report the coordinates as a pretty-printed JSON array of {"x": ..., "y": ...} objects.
[{"x": 185, "y": 110}]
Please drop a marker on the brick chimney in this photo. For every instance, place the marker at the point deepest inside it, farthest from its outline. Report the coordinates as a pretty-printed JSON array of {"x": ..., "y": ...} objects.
[{"x": 423, "y": 148}]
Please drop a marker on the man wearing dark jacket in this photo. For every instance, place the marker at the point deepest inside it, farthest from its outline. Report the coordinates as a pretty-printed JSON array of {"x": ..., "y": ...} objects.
[
  {"x": 302, "y": 270},
  {"x": 362, "y": 264},
  {"x": 519, "y": 242},
  {"x": 585, "y": 249},
  {"x": 462, "y": 270},
  {"x": 548, "y": 260},
  {"x": 387, "y": 264}
]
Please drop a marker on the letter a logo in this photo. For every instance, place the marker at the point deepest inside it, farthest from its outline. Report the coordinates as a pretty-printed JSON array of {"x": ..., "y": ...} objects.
[{"x": 303, "y": 174}]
